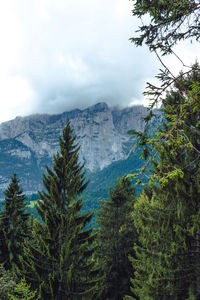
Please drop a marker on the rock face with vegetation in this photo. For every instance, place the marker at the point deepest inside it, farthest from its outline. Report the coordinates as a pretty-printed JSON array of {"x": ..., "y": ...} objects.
[{"x": 27, "y": 144}]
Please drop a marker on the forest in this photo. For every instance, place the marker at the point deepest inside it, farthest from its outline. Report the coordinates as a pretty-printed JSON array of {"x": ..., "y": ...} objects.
[{"x": 146, "y": 245}]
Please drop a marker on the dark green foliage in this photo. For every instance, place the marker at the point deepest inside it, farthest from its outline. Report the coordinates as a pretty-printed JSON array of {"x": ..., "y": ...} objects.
[
  {"x": 59, "y": 261},
  {"x": 22, "y": 291},
  {"x": 99, "y": 184},
  {"x": 115, "y": 241},
  {"x": 167, "y": 215},
  {"x": 168, "y": 22},
  {"x": 164, "y": 24},
  {"x": 31, "y": 203},
  {"x": 13, "y": 225},
  {"x": 7, "y": 283},
  {"x": 100, "y": 181}
]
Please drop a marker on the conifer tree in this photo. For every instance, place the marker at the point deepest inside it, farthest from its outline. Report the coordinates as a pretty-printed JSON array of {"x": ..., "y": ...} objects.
[
  {"x": 13, "y": 225},
  {"x": 60, "y": 263},
  {"x": 168, "y": 219},
  {"x": 115, "y": 241}
]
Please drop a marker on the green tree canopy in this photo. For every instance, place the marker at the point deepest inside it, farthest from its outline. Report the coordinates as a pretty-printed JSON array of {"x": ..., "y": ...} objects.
[
  {"x": 115, "y": 241},
  {"x": 22, "y": 291},
  {"x": 8, "y": 282},
  {"x": 14, "y": 225},
  {"x": 59, "y": 263},
  {"x": 168, "y": 217}
]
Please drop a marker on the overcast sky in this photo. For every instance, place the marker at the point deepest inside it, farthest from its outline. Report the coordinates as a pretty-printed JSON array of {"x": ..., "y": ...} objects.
[{"x": 63, "y": 54}]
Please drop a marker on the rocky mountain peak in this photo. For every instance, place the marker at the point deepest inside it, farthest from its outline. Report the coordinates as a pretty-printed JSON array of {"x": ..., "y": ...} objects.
[
  {"x": 101, "y": 106},
  {"x": 30, "y": 142}
]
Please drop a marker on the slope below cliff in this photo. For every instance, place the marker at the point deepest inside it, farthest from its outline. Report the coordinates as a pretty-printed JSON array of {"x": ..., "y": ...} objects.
[{"x": 27, "y": 144}]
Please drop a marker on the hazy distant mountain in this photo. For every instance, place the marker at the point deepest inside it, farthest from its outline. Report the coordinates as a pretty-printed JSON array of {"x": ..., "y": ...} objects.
[{"x": 27, "y": 144}]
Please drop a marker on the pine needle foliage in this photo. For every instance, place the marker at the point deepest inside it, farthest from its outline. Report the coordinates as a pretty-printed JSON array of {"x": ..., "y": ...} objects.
[
  {"x": 60, "y": 263},
  {"x": 22, "y": 291},
  {"x": 14, "y": 225},
  {"x": 115, "y": 241},
  {"x": 168, "y": 218},
  {"x": 8, "y": 282},
  {"x": 165, "y": 23}
]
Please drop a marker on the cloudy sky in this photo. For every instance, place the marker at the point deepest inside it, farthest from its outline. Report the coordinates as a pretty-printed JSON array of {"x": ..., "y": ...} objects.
[{"x": 63, "y": 54}]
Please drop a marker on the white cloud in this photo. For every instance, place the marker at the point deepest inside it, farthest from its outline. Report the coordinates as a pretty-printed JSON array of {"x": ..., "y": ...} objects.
[
  {"x": 57, "y": 55},
  {"x": 17, "y": 97}
]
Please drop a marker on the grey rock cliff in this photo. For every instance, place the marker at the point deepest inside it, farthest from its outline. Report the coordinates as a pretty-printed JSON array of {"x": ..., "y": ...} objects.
[{"x": 28, "y": 143}]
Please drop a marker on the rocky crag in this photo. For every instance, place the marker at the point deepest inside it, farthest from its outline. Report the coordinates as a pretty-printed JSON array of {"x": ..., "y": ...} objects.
[{"x": 27, "y": 144}]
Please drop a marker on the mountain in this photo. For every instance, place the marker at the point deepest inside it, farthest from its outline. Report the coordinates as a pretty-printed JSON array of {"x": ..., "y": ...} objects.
[{"x": 27, "y": 144}]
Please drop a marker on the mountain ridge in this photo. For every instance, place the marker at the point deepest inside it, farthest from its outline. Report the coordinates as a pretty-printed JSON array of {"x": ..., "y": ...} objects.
[{"x": 28, "y": 143}]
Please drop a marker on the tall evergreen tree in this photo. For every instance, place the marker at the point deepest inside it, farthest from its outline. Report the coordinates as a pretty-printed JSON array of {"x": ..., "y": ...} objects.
[
  {"x": 168, "y": 219},
  {"x": 60, "y": 263},
  {"x": 13, "y": 225},
  {"x": 115, "y": 241}
]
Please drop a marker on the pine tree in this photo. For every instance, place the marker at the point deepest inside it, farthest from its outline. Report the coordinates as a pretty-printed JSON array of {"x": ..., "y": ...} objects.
[
  {"x": 168, "y": 219},
  {"x": 60, "y": 263},
  {"x": 13, "y": 225},
  {"x": 115, "y": 241}
]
